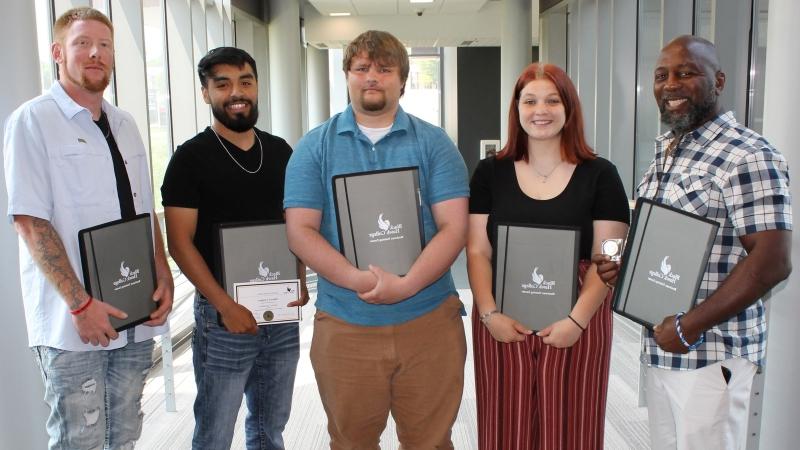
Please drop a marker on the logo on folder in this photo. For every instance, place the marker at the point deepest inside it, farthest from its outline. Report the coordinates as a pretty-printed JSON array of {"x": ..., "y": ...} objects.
[
  {"x": 264, "y": 274},
  {"x": 386, "y": 231},
  {"x": 538, "y": 284},
  {"x": 664, "y": 277},
  {"x": 127, "y": 278}
]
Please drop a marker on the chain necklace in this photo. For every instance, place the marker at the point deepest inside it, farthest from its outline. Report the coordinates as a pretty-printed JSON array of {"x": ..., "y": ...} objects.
[
  {"x": 260, "y": 147},
  {"x": 545, "y": 176}
]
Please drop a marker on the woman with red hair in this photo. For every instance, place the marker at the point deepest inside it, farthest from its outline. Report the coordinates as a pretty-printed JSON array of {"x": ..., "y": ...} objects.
[{"x": 544, "y": 390}]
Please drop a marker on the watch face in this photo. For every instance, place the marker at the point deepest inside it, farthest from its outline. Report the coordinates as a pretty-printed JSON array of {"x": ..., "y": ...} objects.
[
  {"x": 610, "y": 247},
  {"x": 613, "y": 248}
]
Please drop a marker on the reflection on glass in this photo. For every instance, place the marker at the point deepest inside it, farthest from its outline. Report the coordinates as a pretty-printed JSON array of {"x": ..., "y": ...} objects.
[
  {"x": 158, "y": 104},
  {"x": 647, "y": 115},
  {"x": 704, "y": 19},
  {"x": 755, "y": 116},
  {"x": 423, "y": 93}
]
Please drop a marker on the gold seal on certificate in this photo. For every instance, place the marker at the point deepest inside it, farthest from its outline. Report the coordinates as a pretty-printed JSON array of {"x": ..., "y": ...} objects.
[{"x": 267, "y": 300}]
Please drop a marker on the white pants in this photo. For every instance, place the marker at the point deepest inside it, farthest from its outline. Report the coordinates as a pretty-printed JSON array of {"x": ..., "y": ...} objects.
[{"x": 698, "y": 409}]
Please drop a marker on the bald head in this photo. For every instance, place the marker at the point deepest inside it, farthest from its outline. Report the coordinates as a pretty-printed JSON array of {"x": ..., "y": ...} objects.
[
  {"x": 701, "y": 48},
  {"x": 687, "y": 83}
]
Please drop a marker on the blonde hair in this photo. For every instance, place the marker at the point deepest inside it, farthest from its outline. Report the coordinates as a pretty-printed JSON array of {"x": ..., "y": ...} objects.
[{"x": 75, "y": 14}]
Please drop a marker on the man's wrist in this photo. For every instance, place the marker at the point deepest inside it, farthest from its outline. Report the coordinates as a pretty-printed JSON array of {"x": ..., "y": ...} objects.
[{"x": 82, "y": 307}]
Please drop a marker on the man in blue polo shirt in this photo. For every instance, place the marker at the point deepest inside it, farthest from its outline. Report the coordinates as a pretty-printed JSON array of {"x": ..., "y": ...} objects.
[{"x": 382, "y": 343}]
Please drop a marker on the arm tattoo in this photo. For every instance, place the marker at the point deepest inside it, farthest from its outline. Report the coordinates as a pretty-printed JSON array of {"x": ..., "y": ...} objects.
[{"x": 50, "y": 255}]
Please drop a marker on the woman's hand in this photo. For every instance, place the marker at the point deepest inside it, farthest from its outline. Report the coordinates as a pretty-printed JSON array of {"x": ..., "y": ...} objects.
[
  {"x": 505, "y": 329},
  {"x": 561, "y": 334}
]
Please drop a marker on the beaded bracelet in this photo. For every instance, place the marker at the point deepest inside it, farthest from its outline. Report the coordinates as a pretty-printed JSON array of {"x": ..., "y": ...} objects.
[
  {"x": 679, "y": 330},
  {"x": 485, "y": 317},
  {"x": 81, "y": 308}
]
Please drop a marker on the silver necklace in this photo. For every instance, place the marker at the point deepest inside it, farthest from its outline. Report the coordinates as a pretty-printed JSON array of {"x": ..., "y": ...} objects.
[
  {"x": 545, "y": 176},
  {"x": 260, "y": 147}
]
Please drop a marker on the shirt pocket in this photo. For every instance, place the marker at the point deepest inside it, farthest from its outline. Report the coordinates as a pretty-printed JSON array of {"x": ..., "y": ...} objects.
[
  {"x": 694, "y": 193},
  {"x": 85, "y": 175}
]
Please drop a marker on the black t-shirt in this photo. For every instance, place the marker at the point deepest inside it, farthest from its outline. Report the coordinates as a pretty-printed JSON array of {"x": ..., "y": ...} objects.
[
  {"x": 201, "y": 175},
  {"x": 124, "y": 192},
  {"x": 594, "y": 192}
]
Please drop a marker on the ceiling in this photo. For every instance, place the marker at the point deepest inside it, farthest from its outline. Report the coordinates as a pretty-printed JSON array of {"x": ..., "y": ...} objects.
[
  {"x": 439, "y": 23},
  {"x": 396, "y": 7}
]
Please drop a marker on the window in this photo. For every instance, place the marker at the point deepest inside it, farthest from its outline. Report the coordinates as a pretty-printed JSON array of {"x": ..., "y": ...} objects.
[
  {"x": 423, "y": 95},
  {"x": 158, "y": 101},
  {"x": 44, "y": 30},
  {"x": 647, "y": 114}
]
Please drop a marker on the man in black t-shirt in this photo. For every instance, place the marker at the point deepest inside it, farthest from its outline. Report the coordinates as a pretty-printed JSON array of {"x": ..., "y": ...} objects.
[{"x": 231, "y": 172}]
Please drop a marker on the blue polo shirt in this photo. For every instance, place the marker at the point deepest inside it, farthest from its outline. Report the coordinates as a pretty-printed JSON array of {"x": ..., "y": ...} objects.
[{"x": 339, "y": 147}]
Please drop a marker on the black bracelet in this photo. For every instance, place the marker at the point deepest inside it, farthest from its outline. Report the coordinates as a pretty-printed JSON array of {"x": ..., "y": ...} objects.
[{"x": 576, "y": 322}]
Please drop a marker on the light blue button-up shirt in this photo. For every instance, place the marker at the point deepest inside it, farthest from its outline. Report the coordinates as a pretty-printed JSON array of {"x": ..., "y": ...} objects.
[{"x": 58, "y": 167}]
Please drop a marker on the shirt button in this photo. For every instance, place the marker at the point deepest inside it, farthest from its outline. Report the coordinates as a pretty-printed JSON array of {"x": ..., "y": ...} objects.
[
  {"x": 126, "y": 162},
  {"x": 134, "y": 194},
  {"x": 373, "y": 148}
]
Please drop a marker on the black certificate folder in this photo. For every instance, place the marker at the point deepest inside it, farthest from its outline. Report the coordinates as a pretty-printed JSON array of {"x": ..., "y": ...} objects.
[
  {"x": 664, "y": 262},
  {"x": 254, "y": 251},
  {"x": 536, "y": 273},
  {"x": 379, "y": 218},
  {"x": 119, "y": 267}
]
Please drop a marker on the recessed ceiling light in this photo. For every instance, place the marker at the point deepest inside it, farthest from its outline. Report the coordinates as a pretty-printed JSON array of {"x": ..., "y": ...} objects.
[{"x": 339, "y": 14}]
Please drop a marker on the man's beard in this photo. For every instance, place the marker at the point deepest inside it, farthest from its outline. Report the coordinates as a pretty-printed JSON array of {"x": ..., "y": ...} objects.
[
  {"x": 373, "y": 105},
  {"x": 239, "y": 122},
  {"x": 684, "y": 122},
  {"x": 90, "y": 85}
]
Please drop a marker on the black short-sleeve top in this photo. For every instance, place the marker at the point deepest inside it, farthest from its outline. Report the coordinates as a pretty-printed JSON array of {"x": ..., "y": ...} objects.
[
  {"x": 594, "y": 192},
  {"x": 208, "y": 177}
]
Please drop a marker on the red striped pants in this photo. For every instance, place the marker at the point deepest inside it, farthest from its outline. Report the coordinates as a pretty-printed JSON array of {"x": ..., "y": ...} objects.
[{"x": 534, "y": 396}]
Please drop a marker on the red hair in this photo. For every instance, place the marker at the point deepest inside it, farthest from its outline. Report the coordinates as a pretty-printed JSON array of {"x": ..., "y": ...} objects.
[{"x": 574, "y": 148}]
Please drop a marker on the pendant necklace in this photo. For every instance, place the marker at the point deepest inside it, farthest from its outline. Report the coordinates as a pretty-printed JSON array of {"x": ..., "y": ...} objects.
[
  {"x": 260, "y": 147},
  {"x": 545, "y": 176}
]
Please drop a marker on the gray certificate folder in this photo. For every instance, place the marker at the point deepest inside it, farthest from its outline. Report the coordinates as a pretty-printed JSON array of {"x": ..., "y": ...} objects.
[
  {"x": 254, "y": 251},
  {"x": 119, "y": 267},
  {"x": 379, "y": 218},
  {"x": 536, "y": 273},
  {"x": 663, "y": 264}
]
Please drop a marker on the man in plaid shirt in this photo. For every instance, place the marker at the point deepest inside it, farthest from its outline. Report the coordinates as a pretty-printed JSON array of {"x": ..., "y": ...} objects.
[{"x": 700, "y": 377}]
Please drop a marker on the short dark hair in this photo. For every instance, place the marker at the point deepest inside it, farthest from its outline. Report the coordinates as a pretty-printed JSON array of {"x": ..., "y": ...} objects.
[{"x": 223, "y": 55}]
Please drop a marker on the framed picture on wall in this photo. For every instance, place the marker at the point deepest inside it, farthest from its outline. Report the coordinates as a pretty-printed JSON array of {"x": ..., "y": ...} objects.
[{"x": 489, "y": 147}]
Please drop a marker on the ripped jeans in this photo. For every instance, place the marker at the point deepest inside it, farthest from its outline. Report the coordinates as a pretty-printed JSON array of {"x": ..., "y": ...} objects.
[{"x": 95, "y": 396}]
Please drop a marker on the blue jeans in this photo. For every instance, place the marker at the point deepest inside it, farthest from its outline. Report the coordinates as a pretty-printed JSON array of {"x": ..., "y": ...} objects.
[
  {"x": 95, "y": 396},
  {"x": 227, "y": 365}
]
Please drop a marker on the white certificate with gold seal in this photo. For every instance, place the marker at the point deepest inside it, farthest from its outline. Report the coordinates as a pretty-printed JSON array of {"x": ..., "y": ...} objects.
[{"x": 267, "y": 300}]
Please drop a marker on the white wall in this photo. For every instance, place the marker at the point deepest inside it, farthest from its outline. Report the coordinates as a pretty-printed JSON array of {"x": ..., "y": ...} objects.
[
  {"x": 781, "y": 407},
  {"x": 22, "y": 411}
]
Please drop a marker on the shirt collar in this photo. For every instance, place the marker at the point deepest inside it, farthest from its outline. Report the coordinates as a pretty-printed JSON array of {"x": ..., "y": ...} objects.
[
  {"x": 69, "y": 107},
  {"x": 347, "y": 121},
  {"x": 702, "y": 135}
]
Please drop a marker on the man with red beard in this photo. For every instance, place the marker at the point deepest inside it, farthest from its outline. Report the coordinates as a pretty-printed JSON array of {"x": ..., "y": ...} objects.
[
  {"x": 701, "y": 363},
  {"x": 231, "y": 172},
  {"x": 73, "y": 161}
]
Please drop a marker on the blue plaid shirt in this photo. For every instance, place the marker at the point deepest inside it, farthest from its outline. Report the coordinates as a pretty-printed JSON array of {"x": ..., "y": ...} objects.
[{"x": 728, "y": 173}]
